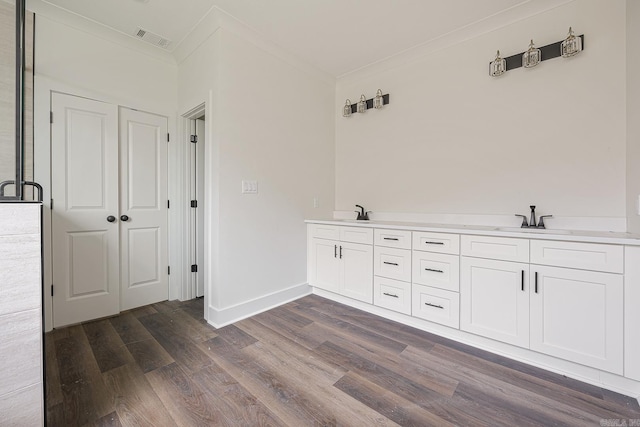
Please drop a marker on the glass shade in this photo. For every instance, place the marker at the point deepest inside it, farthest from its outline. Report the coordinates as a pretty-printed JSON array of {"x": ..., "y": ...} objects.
[
  {"x": 572, "y": 45},
  {"x": 362, "y": 104},
  {"x": 531, "y": 57},
  {"x": 346, "y": 111},
  {"x": 498, "y": 66},
  {"x": 378, "y": 102}
]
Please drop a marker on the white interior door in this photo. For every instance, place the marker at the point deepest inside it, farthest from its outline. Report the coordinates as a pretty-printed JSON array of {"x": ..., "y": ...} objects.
[
  {"x": 143, "y": 208},
  {"x": 84, "y": 189}
]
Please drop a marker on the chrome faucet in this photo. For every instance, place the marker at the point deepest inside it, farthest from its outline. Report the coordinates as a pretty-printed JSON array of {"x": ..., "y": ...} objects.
[
  {"x": 532, "y": 221},
  {"x": 362, "y": 215}
]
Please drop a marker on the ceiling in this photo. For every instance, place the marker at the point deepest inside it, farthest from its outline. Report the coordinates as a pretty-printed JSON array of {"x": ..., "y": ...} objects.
[{"x": 335, "y": 36}]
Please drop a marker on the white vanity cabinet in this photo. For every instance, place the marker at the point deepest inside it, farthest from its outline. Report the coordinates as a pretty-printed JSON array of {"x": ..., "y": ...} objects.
[
  {"x": 392, "y": 269},
  {"x": 341, "y": 260}
]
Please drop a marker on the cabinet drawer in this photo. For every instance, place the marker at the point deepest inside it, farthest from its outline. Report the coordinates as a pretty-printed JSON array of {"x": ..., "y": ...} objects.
[
  {"x": 436, "y": 305},
  {"x": 322, "y": 231},
  {"x": 392, "y": 294},
  {"x": 502, "y": 248},
  {"x": 392, "y": 238},
  {"x": 585, "y": 256},
  {"x": 356, "y": 235},
  {"x": 436, "y": 242},
  {"x": 437, "y": 270},
  {"x": 392, "y": 263}
]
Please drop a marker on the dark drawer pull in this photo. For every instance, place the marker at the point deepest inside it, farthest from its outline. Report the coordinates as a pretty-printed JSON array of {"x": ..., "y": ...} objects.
[
  {"x": 434, "y": 243},
  {"x": 391, "y": 263},
  {"x": 390, "y": 295},
  {"x": 434, "y": 270},
  {"x": 434, "y": 305},
  {"x": 389, "y": 238}
]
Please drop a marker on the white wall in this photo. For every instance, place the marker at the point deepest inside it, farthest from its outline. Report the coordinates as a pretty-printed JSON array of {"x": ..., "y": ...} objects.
[
  {"x": 633, "y": 113},
  {"x": 272, "y": 122},
  {"x": 454, "y": 140}
]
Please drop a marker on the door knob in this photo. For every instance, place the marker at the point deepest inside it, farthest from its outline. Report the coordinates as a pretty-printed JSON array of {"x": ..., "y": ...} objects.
[
  {"x": 111, "y": 218},
  {"x": 124, "y": 218}
]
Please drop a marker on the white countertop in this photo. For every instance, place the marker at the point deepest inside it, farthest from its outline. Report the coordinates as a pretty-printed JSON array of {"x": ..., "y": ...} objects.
[{"x": 616, "y": 238}]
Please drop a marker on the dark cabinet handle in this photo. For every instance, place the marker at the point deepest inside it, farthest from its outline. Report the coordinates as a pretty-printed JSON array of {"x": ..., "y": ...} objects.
[
  {"x": 341, "y": 252},
  {"x": 536, "y": 280},
  {"x": 434, "y": 305},
  {"x": 434, "y": 243},
  {"x": 389, "y": 238},
  {"x": 335, "y": 251},
  {"x": 124, "y": 218},
  {"x": 522, "y": 281},
  {"x": 390, "y": 295},
  {"x": 435, "y": 271},
  {"x": 111, "y": 218},
  {"x": 391, "y": 263}
]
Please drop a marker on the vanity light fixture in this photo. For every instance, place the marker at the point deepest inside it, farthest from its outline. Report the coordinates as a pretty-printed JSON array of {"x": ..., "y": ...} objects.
[
  {"x": 346, "y": 111},
  {"x": 378, "y": 102},
  {"x": 362, "y": 104},
  {"x": 571, "y": 46},
  {"x": 531, "y": 57},
  {"x": 498, "y": 66}
]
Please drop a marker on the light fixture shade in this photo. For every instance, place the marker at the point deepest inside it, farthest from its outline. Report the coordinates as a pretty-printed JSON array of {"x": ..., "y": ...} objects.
[
  {"x": 362, "y": 104},
  {"x": 346, "y": 110},
  {"x": 378, "y": 102},
  {"x": 572, "y": 45},
  {"x": 498, "y": 66},
  {"x": 531, "y": 57}
]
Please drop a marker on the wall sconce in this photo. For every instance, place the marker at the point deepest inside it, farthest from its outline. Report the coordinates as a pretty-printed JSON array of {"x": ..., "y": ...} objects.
[
  {"x": 362, "y": 104},
  {"x": 531, "y": 57},
  {"x": 498, "y": 66},
  {"x": 378, "y": 102},
  {"x": 346, "y": 111},
  {"x": 572, "y": 45}
]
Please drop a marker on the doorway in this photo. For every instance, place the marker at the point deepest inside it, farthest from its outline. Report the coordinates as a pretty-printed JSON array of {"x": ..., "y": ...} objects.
[{"x": 109, "y": 208}]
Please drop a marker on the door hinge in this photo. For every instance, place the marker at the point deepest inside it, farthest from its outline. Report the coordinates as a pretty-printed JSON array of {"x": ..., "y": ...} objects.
[
  {"x": 194, "y": 268},
  {"x": 51, "y": 290},
  {"x": 50, "y": 116},
  {"x": 51, "y": 205},
  {"x": 194, "y": 138},
  {"x": 168, "y": 138},
  {"x": 168, "y": 269},
  {"x": 168, "y": 204},
  {"x": 194, "y": 203}
]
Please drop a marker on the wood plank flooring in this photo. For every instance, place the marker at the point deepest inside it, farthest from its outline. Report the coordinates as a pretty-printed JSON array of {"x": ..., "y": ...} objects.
[{"x": 312, "y": 362}]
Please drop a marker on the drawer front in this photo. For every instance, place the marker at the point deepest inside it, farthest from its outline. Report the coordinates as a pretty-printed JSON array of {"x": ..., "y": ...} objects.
[
  {"x": 436, "y": 242},
  {"x": 392, "y": 263},
  {"x": 502, "y": 248},
  {"x": 356, "y": 235},
  {"x": 585, "y": 256},
  {"x": 322, "y": 231},
  {"x": 392, "y": 294},
  {"x": 392, "y": 238},
  {"x": 436, "y": 270},
  {"x": 436, "y": 305}
]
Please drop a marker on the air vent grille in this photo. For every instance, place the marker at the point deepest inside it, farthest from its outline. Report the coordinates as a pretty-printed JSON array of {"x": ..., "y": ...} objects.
[{"x": 152, "y": 38}]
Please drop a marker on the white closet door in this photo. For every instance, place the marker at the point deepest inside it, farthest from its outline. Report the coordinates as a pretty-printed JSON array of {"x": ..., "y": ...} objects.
[
  {"x": 143, "y": 208},
  {"x": 84, "y": 161}
]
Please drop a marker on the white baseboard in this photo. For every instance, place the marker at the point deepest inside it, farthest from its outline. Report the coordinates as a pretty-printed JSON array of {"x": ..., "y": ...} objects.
[
  {"x": 576, "y": 371},
  {"x": 219, "y": 318}
]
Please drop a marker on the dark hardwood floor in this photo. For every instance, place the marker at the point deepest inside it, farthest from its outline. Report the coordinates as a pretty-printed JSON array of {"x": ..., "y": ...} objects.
[{"x": 312, "y": 362}]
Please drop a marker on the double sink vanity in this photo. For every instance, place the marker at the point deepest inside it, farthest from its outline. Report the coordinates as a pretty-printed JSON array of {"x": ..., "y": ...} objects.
[{"x": 563, "y": 300}]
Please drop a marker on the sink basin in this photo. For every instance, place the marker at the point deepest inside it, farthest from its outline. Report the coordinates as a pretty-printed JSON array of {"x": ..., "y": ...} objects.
[{"x": 533, "y": 230}]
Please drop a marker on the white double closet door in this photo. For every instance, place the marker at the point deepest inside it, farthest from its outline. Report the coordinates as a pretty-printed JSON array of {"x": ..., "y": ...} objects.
[{"x": 109, "y": 216}]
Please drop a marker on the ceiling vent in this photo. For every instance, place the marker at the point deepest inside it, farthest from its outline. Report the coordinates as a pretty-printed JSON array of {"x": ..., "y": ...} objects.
[{"x": 152, "y": 38}]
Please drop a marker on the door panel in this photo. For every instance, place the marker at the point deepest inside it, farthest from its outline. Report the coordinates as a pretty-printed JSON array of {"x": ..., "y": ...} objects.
[
  {"x": 84, "y": 157},
  {"x": 143, "y": 195},
  {"x": 356, "y": 271}
]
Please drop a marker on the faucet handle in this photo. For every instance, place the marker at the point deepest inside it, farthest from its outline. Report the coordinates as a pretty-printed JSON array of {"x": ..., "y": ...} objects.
[
  {"x": 541, "y": 222},
  {"x": 524, "y": 221}
]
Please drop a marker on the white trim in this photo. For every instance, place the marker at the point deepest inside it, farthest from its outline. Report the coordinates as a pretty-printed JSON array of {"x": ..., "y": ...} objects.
[
  {"x": 583, "y": 373},
  {"x": 219, "y": 318}
]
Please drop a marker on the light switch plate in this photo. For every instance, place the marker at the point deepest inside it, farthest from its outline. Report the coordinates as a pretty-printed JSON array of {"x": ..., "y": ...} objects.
[{"x": 249, "y": 187}]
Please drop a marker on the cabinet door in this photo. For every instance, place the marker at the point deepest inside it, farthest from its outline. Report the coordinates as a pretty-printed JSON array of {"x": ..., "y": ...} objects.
[
  {"x": 494, "y": 299},
  {"x": 578, "y": 315},
  {"x": 324, "y": 264},
  {"x": 356, "y": 271}
]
